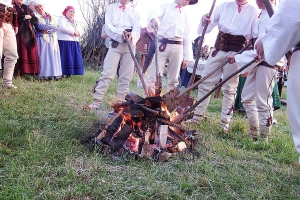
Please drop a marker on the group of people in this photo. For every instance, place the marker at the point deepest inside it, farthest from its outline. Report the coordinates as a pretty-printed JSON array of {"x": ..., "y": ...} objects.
[
  {"x": 34, "y": 42},
  {"x": 239, "y": 23}
]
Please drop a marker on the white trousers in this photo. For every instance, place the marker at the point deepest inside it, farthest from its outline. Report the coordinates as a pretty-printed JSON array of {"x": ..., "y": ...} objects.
[
  {"x": 293, "y": 99},
  {"x": 114, "y": 56},
  {"x": 174, "y": 54},
  {"x": 8, "y": 48},
  {"x": 229, "y": 88},
  {"x": 257, "y": 95}
]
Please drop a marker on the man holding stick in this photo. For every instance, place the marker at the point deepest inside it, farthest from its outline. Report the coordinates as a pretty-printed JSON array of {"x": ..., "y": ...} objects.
[
  {"x": 121, "y": 20},
  {"x": 257, "y": 91},
  {"x": 174, "y": 42},
  {"x": 282, "y": 34},
  {"x": 235, "y": 21}
]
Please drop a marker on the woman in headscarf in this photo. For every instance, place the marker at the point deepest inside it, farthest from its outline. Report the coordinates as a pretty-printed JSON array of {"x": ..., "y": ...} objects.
[
  {"x": 68, "y": 40},
  {"x": 27, "y": 48},
  {"x": 30, "y": 5},
  {"x": 48, "y": 49}
]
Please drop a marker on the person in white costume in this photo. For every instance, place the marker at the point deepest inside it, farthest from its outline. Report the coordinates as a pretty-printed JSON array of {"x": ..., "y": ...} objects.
[
  {"x": 282, "y": 34},
  {"x": 8, "y": 42},
  {"x": 174, "y": 42},
  {"x": 120, "y": 19},
  {"x": 257, "y": 91},
  {"x": 235, "y": 21}
]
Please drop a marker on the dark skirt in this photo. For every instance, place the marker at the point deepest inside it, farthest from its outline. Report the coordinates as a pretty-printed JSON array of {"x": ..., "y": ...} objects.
[
  {"x": 71, "y": 58},
  {"x": 28, "y": 61}
]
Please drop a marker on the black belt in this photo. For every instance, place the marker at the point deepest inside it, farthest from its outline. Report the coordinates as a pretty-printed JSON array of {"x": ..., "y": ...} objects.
[
  {"x": 167, "y": 41},
  {"x": 228, "y": 42}
]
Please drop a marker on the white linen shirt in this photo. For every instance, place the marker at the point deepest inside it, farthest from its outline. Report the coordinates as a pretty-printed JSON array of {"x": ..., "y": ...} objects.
[
  {"x": 66, "y": 29},
  {"x": 229, "y": 20},
  {"x": 173, "y": 24},
  {"x": 258, "y": 31},
  {"x": 117, "y": 21},
  {"x": 282, "y": 32},
  {"x": 6, "y": 2}
]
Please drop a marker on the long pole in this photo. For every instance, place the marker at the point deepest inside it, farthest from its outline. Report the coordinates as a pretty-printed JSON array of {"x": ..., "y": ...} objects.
[
  {"x": 200, "y": 46},
  {"x": 137, "y": 66}
]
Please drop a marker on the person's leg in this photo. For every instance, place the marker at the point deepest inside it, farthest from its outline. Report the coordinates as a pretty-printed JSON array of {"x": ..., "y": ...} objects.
[
  {"x": 11, "y": 54},
  {"x": 229, "y": 91},
  {"x": 108, "y": 73},
  {"x": 203, "y": 88},
  {"x": 293, "y": 99},
  {"x": 125, "y": 73},
  {"x": 175, "y": 60},
  {"x": 265, "y": 80},
  {"x": 248, "y": 100}
]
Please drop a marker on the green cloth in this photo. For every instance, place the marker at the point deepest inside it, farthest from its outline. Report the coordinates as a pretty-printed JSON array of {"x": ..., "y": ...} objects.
[
  {"x": 276, "y": 98},
  {"x": 238, "y": 98},
  {"x": 238, "y": 104}
]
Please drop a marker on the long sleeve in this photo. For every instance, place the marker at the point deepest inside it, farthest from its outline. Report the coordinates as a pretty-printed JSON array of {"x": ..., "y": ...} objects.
[
  {"x": 136, "y": 29},
  {"x": 118, "y": 19},
  {"x": 63, "y": 27},
  {"x": 215, "y": 16},
  {"x": 157, "y": 13},
  {"x": 113, "y": 32},
  {"x": 282, "y": 32},
  {"x": 45, "y": 27},
  {"x": 187, "y": 45}
]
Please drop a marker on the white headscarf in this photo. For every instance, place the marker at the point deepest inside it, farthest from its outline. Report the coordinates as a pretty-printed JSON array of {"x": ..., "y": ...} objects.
[
  {"x": 38, "y": 2},
  {"x": 29, "y": 2}
]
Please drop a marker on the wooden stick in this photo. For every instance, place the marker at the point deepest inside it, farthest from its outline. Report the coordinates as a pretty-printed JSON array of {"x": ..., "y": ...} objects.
[
  {"x": 137, "y": 67},
  {"x": 200, "y": 46}
]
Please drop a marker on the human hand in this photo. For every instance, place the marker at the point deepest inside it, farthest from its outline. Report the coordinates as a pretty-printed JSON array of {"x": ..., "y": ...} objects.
[
  {"x": 184, "y": 64},
  {"x": 205, "y": 19},
  {"x": 259, "y": 47},
  {"x": 232, "y": 59},
  {"x": 27, "y": 17},
  {"x": 76, "y": 33},
  {"x": 128, "y": 34},
  {"x": 154, "y": 23}
]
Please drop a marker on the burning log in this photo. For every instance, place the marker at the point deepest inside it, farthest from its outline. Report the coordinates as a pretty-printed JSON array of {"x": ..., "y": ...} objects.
[{"x": 142, "y": 127}]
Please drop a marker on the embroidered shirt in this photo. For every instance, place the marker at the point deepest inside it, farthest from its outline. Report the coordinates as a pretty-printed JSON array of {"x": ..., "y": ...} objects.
[
  {"x": 173, "y": 23},
  {"x": 117, "y": 20},
  {"x": 229, "y": 20}
]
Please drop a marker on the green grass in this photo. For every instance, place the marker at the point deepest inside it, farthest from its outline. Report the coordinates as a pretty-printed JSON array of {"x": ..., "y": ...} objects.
[{"x": 42, "y": 125}]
